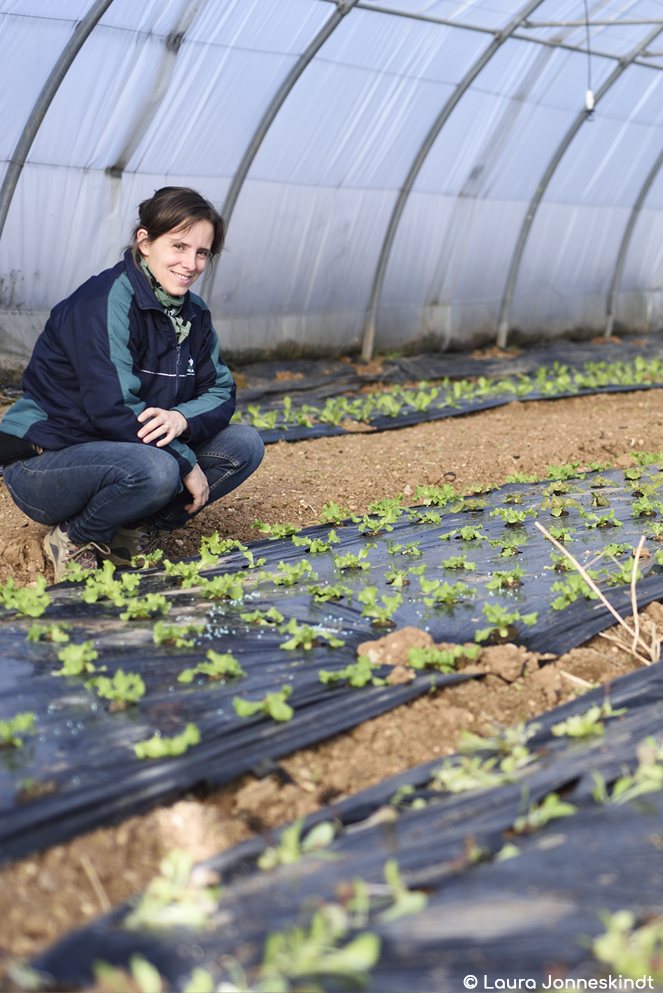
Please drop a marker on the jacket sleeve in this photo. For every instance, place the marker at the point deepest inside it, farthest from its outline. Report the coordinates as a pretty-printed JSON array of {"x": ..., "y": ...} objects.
[
  {"x": 103, "y": 357},
  {"x": 214, "y": 404}
]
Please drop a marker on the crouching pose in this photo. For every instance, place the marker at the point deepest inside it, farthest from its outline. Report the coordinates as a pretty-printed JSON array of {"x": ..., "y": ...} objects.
[{"x": 128, "y": 398}]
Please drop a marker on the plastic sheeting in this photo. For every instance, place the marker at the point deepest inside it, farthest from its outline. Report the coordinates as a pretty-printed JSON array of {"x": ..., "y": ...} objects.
[
  {"x": 171, "y": 91},
  {"x": 531, "y": 917},
  {"x": 79, "y": 769}
]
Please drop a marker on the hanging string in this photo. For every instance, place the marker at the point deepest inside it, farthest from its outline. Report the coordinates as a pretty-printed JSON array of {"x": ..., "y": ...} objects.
[{"x": 589, "y": 95}]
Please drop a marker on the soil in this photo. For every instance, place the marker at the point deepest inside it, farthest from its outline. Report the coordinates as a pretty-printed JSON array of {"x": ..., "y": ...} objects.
[{"x": 50, "y": 893}]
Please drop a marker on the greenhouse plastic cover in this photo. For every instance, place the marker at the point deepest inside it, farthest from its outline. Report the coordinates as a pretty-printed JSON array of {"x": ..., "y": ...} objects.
[{"x": 173, "y": 92}]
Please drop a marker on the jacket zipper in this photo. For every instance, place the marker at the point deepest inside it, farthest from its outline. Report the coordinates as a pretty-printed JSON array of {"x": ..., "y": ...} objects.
[{"x": 177, "y": 371}]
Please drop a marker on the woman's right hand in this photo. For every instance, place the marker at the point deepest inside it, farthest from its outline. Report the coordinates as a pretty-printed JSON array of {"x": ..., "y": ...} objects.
[{"x": 197, "y": 485}]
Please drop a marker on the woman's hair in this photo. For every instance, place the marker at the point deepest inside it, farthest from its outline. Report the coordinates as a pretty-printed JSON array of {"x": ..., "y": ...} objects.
[{"x": 175, "y": 207}]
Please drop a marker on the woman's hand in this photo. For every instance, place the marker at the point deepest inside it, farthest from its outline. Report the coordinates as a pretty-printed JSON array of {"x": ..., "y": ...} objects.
[
  {"x": 167, "y": 423},
  {"x": 197, "y": 485}
]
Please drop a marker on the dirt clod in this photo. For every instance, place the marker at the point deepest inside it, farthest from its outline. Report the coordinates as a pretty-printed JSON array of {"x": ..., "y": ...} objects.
[{"x": 393, "y": 648}]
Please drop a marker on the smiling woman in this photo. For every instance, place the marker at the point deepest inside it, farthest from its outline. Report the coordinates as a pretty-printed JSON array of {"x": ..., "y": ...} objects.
[{"x": 127, "y": 400}]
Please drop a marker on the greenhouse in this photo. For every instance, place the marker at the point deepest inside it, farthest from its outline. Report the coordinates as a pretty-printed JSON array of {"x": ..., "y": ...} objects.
[{"x": 331, "y": 592}]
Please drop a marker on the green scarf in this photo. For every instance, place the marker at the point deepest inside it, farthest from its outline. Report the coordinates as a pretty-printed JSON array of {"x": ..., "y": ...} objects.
[{"x": 172, "y": 305}]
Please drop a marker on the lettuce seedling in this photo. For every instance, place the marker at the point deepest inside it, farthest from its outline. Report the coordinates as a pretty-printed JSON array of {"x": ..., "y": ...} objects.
[
  {"x": 157, "y": 747},
  {"x": 275, "y": 531},
  {"x": 220, "y": 546},
  {"x": 442, "y": 659},
  {"x": 216, "y": 667},
  {"x": 173, "y": 634},
  {"x": 177, "y": 898},
  {"x": 439, "y": 496},
  {"x": 442, "y": 592},
  {"x": 587, "y": 725},
  {"x": 288, "y": 575},
  {"x": 317, "y": 545},
  {"x": 272, "y": 705},
  {"x": 412, "y": 548},
  {"x": 102, "y": 586},
  {"x": 380, "y": 615},
  {"x": 228, "y": 586},
  {"x": 506, "y": 580},
  {"x": 502, "y": 623},
  {"x": 538, "y": 815},
  {"x": 306, "y": 637},
  {"x": 150, "y": 604},
  {"x": 266, "y": 618},
  {"x": 15, "y": 728},
  {"x": 358, "y": 673},
  {"x": 333, "y": 514},
  {"x": 351, "y": 561},
  {"x": 601, "y": 520},
  {"x": 123, "y": 690},
  {"x": 30, "y": 601},
  {"x": 146, "y": 560},
  {"x": 49, "y": 632},
  {"x": 77, "y": 659},
  {"x": 291, "y": 848}
]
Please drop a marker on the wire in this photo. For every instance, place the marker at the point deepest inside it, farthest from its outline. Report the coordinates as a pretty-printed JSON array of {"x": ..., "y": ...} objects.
[{"x": 589, "y": 96}]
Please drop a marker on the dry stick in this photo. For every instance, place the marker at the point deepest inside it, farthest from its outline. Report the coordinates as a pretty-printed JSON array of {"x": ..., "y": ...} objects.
[
  {"x": 95, "y": 882},
  {"x": 592, "y": 585},
  {"x": 634, "y": 599}
]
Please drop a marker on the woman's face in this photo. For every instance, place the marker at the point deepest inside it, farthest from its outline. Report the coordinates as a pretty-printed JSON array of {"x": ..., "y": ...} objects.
[{"x": 178, "y": 257}]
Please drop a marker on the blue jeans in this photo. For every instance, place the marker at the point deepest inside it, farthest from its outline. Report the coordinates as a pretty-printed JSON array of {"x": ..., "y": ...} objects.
[{"x": 101, "y": 485}]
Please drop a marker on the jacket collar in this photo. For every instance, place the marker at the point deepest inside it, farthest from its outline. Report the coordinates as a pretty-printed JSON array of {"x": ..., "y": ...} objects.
[{"x": 144, "y": 294}]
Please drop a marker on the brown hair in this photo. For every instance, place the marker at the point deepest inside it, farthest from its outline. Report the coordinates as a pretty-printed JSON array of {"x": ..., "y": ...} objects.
[{"x": 174, "y": 207}]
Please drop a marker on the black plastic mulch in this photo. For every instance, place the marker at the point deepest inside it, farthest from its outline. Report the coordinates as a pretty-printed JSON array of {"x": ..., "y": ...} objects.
[
  {"x": 79, "y": 771},
  {"x": 529, "y": 917}
]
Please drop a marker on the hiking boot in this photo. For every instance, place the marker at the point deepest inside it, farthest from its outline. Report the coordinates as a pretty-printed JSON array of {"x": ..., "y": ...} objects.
[
  {"x": 130, "y": 542},
  {"x": 61, "y": 551}
]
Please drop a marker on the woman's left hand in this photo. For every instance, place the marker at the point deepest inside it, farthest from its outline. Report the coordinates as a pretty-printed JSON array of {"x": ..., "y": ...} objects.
[{"x": 162, "y": 424}]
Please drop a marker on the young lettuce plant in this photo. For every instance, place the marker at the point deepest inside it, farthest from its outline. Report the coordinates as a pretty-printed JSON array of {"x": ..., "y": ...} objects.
[
  {"x": 102, "y": 586},
  {"x": 30, "y": 601},
  {"x": 506, "y": 580},
  {"x": 502, "y": 623},
  {"x": 272, "y": 705},
  {"x": 317, "y": 545},
  {"x": 440, "y": 592},
  {"x": 49, "y": 632},
  {"x": 217, "y": 667},
  {"x": 538, "y": 815},
  {"x": 275, "y": 531},
  {"x": 381, "y": 615},
  {"x": 357, "y": 674},
  {"x": 265, "y": 618},
  {"x": 333, "y": 514},
  {"x": 148, "y": 606},
  {"x": 351, "y": 561},
  {"x": 306, "y": 637},
  {"x": 587, "y": 725},
  {"x": 442, "y": 659},
  {"x": 412, "y": 548},
  {"x": 14, "y": 729},
  {"x": 174, "y": 634},
  {"x": 291, "y": 848},
  {"x": 77, "y": 659},
  {"x": 228, "y": 586},
  {"x": 123, "y": 690},
  {"x": 322, "y": 594},
  {"x": 157, "y": 747}
]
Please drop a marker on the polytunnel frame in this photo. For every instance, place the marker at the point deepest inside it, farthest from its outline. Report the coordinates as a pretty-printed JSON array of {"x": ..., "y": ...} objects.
[
  {"x": 368, "y": 338},
  {"x": 18, "y": 158},
  {"x": 504, "y": 315},
  {"x": 626, "y": 242}
]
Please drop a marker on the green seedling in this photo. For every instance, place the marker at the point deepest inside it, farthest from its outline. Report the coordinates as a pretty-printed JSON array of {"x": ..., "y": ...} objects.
[
  {"x": 635, "y": 953},
  {"x": 646, "y": 778},
  {"x": 123, "y": 690},
  {"x": 624, "y": 574},
  {"x": 458, "y": 562},
  {"x": 612, "y": 550},
  {"x": 358, "y": 673},
  {"x": 174, "y": 634},
  {"x": 538, "y": 815},
  {"x": 463, "y": 534},
  {"x": 260, "y": 421},
  {"x": 77, "y": 659},
  {"x": 322, "y": 594},
  {"x": 599, "y": 500},
  {"x": 513, "y": 518},
  {"x": 306, "y": 637},
  {"x": 152, "y": 603},
  {"x": 561, "y": 534},
  {"x": 502, "y": 623},
  {"x": 472, "y": 773},
  {"x": 217, "y": 667},
  {"x": 599, "y": 482},
  {"x": 440, "y": 592},
  {"x": 656, "y": 529},
  {"x": 557, "y": 488},
  {"x": 567, "y": 471},
  {"x": 506, "y": 580},
  {"x": 587, "y": 725},
  {"x": 426, "y": 516},
  {"x": 291, "y": 848},
  {"x": 513, "y": 498},
  {"x": 601, "y": 520},
  {"x": 333, "y": 514},
  {"x": 644, "y": 507},
  {"x": 253, "y": 564},
  {"x": 272, "y": 705},
  {"x": 442, "y": 659},
  {"x": 468, "y": 506},
  {"x": 404, "y": 900},
  {"x": 288, "y": 575},
  {"x": 381, "y": 616},
  {"x": 219, "y": 546},
  {"x": 30, "y": 601},
  {"x": 387, "y": 506},
  {"x": 49, "y": 632},
  {"x": 147, "y": 560},
  {"x": 510, "y": 743},
  {"x": 509, "y": 545},
  {"x": 14, "y": 729},
  {"x": 351, "y": 561},
  {"x": 187, "y": 572},
  {"x": 520, "y": 477},
  {"x": 178, "y": 897},
  {"x": 102, "y": 586},
  {"x": 632, "y": 473},
  {"x": 157, "y": 747},
  {"x": 317, "y": 545},
  {"x": 266, "y": 618},
  {"x": 440, "y": 496},
  {"x": 228, "y": 586},
  {"x": 298, "y": 957},
  {"x": 276, "y": 531},
  {"x": 574, "y": 587},
  {"x": 559, "y": 505},
  {"x": 412, "y": 548},
  {"x": 74, "y": 573},
  {"x": 401, "y": 799}
]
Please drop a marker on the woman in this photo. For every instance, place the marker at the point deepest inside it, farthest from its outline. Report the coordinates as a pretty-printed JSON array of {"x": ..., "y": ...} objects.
[{"x": 128, "y": 398}]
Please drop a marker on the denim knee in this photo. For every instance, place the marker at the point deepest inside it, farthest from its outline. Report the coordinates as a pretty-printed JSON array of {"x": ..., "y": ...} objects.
[
  {"x": 252, "y": 444},
  {"x": 161, "y": 474}
]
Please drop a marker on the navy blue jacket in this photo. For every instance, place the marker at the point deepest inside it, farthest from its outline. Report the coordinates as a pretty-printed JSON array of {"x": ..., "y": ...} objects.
[{"x": 109, "y": 351}]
